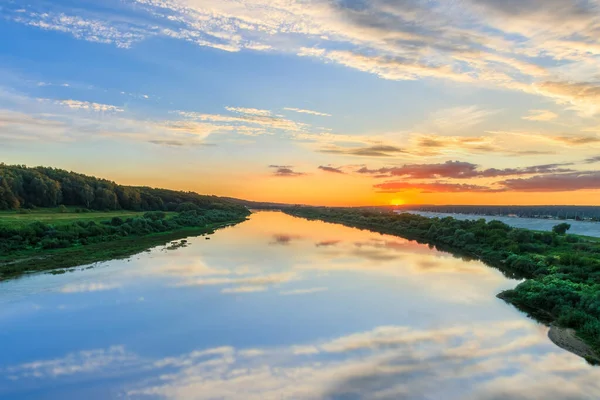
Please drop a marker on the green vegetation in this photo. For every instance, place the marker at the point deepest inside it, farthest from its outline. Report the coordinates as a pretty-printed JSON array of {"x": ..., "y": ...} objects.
[
  {"x": 27, "y": 188},
  {"x": 40, "y": 245},
  {"x": 562, "y": 271},
  {"x": 55, "y": 222},
  {"x": 54, "y": 216},
  {"x": 561, "y": 229}
]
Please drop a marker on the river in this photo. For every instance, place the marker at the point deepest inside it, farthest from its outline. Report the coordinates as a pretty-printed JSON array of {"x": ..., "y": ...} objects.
[
  {"x": 586, "y": 228},
  {"x": 280, "y": 308}
]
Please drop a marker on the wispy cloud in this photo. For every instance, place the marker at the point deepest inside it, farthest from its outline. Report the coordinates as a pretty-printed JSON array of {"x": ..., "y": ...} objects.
[
  {"x": 458, "y": 118},
  {"x": 496, "y": 361},
  {"x": 249, "y": 111},
  {"x": 88, "y": 287},
  {"x": 434, "y": 187},
  {"x": 244, "y": 289},
  {"x": 243, "y": 281},
  {"x": 328, "y": 168},
  {"x": 311, "y": 112},
  {"x": 302, "y": 291},
  {"x": 89, "y": 361},
  {"x": 460, "y": 170},
  {"x": 555, "y": 182},
  {"x": 284, "y": 238},
  {"x": 248, "y": 120},
  {"x": 366, "y": 151},
  {"x": 285, "y": 171},
  {"x": 541, "y": 115},
  {"x": 469, "y": 42},
  {"x": 86, "y": 105}
]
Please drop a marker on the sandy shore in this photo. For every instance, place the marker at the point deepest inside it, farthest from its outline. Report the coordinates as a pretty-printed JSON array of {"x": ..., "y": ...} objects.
[{"x": 566, "y": 339}]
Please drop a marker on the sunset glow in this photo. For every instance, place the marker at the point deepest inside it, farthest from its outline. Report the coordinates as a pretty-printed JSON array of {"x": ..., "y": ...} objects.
[{"x": 318, "y": 102}]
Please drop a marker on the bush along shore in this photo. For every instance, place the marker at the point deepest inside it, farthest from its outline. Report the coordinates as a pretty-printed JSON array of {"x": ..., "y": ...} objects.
[
  {"x": 43, "y": 246},
  {"x": 561, "y": 271},
  {"x": 54, "y": 218}
]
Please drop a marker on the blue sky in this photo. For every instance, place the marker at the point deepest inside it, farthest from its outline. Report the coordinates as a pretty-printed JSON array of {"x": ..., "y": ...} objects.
[{"x": 250, "y": 98}]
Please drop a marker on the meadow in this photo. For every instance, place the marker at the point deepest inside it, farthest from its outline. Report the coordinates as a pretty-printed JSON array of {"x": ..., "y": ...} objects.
[{"x": 58, "y": 216}]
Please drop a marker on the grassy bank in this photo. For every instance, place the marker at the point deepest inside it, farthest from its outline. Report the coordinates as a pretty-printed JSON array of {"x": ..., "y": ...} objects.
[
  {"x": 561, "y": 272},
  {"x": 26, "y": 261},
  {"x": 63, "y": 216},
  {"x": 45, "y": 239}
]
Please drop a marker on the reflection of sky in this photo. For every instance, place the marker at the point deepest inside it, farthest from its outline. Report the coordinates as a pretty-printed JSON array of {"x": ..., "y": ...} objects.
[{"x": 279, "y": 307}]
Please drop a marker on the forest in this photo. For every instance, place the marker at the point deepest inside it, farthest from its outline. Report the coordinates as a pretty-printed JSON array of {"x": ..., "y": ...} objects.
[
  {"x": 25, "y": 188},
  {"x": 37, "y": 245},
  {"x": 561, "y": 271}
]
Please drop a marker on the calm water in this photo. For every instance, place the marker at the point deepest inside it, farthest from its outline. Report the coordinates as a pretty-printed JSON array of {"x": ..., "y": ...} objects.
[
  {"x": 577, "y": 227},
  {"x": 280, "y": 308}
]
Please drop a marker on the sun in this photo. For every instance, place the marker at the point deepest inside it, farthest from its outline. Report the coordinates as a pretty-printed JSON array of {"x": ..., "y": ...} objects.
[{"x": 397, "y": 202}]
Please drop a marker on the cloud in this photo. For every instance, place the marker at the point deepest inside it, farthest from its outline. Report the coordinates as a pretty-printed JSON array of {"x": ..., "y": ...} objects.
[
  {"x": 366, "y": 151},
  {"x": 244, "y": 289},
  {"x": 541, "y": 115},
  {"x": 250, "y": 120},
  {"x": 508, "y": 45},
  {"x": 508, "y": 359},
  {"x": 302, "y": 291},
  {"x": 547, "y": 139},
  {"x": 114, "y": 32},
  {"x": 21, "y": 127},
  {"x": 458, "y": 118},
  {"x": 394, "y": 67},
  {"x": 285, "y": 171},
  {"x": 331, "y": 169},
  {"x": 581, "y": 96},
  {"x": 311, "y": 112},
  {"x": 327, "y": 243},
  {"x": 577, "y": 140},
  {"x": 244, "y": 281},
  {"x": 85, "y": 105},
  {"x": 458, "y": 170},
  {"x": 89, "y": 287},
  {"x": 592, "y": 160},
  {"x": 387, "y": 362},
  {"x": 284, "y": 239},
  {"x": 556, "y": 182},
  {"x": 249, "y": 111},
  {"x": 88, "y": 361},
  {"x": 434, "y": 187},
  {"x": 493, "y": 142}
]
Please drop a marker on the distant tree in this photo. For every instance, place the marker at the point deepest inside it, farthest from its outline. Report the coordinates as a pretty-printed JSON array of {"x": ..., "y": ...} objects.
[
  {"x": 23, "y": 187},
  {"x": 561, "y": 229}
]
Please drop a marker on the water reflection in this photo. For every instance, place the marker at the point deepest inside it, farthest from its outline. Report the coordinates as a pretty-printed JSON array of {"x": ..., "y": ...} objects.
[
  {"x": 505, "y": 360},
  {"x": 318, "y": 312}
]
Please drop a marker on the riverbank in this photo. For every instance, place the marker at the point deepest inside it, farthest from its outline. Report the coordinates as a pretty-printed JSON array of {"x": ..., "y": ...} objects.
[
  {"x": 561, "y": 272},
  {"x": 566, "y": 338},
  {"x": 28, "y": 261},
  {"x": 583, "y": 228}
]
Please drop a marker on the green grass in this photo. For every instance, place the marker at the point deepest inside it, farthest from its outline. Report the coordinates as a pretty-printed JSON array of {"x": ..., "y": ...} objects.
[
  {"x": 34, "y": 260},
  {"x": 53, "y": 216}
]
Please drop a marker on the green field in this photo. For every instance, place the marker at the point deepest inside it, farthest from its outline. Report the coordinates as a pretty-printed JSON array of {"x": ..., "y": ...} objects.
[
  {"x": 74, "y": 244},
  {"x": 34, "y": 260},
  {"x": 55, "y": 217}
]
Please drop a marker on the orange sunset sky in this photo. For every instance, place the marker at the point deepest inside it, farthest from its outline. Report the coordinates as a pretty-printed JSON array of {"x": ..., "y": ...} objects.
[{"x": 314, "y": 102}]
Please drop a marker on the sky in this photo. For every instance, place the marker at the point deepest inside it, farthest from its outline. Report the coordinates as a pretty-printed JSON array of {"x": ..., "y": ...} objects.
[{"x": 324, "y": 102}]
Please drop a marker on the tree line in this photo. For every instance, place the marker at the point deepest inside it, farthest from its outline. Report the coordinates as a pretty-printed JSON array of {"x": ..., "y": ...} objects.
[
  {"x": 22, "y": 187},
  {"x": 558, "y": 212}
]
